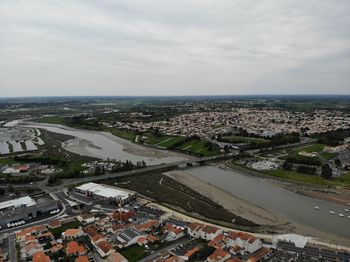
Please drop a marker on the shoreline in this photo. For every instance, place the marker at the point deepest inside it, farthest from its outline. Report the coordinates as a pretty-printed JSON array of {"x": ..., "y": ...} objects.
[
  {"x": 333, "y": 194},
  {"x": 81, "y": 146},
  {"x": 250, "y": 211}
]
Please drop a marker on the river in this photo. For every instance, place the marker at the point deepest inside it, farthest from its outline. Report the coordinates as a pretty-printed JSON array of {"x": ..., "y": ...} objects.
[
  {"x": 293, "y": 206},
  {"x": 104, "y": 145}
]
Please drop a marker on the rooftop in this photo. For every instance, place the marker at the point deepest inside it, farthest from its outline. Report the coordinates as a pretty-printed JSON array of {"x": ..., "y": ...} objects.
[
  {"x": 18, "y": 202},
  {"x": 103, "y": 190}
]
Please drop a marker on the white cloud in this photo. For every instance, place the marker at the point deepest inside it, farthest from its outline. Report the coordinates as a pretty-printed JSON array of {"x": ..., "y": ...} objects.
[{"x": 175, "y": 47}]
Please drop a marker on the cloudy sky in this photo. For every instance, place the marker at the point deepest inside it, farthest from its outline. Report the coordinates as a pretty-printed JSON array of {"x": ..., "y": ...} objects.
[{"x": 174, "y": 47}]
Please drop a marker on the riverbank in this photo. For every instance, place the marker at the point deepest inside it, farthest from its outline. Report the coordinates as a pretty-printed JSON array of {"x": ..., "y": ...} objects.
[
  {"x": 105, "y": 145},
  {"x": 250, "y": 211},
  {"x": 333, "y": 194}
]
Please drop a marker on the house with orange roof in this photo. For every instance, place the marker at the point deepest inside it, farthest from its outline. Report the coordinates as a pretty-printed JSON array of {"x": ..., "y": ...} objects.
[
  {"x": 104, "y": 248},
  {"x": 40, "y": 257},
  {"x": 219, "y": 255},
  {"x": 74, "y": 248},
  {"x": 72, "y": 233},
  {"x": 205, "y": 232},
  {"x": 30, "y": 248},
  {"x": 55, "y": 248},
  {"x": 54, "y": 224},
  {"x": 258, "y": 255},
  {"x": 147, "y": 226},
  {"x": 82, "y": 259},
  {"x": 218, "y": 241},
  {"x": 152, "y": 238},
  {"x": 123, "y": 215},
  {"x": 174, "y": 233},
  {"x": 245, "y": 241},
  {"x": 185, "y": 251},
  {"x": 142, "y": 241},
  {"x": 194, "y": 230},
  {"x": 175, "y": 259},
  {"x": 117, "y": 257}
]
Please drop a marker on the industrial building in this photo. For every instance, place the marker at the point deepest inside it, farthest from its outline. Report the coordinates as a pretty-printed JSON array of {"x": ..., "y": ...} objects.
[
  {"x": 105, "y": 192},
  {"x": 21, "y": 210}
]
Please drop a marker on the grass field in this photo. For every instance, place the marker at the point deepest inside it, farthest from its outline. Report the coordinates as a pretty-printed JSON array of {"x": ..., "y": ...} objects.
[
  {"x": 198, "y": 147},
  {"x": 58, "y": 231},
  {"x": 343, "y": 180},
  {"x": 309, "y": 149},
  {"x": 134, "y": 253},
  {"x": 59, "y": 120},
  {"x": 241, "y": 139},
  {"x": 327, "y": 155},
  {"x": 128, "y": 135},
  {"x": 162, "y": 141}
]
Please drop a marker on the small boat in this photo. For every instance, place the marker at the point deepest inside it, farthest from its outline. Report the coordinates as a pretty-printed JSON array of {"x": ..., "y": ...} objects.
[
  {"x": 346, "y": 210},
  {"x": 317, "y": 208},
  {"x": 332, "y": 212},
  {"x": 341, "y": 215}
]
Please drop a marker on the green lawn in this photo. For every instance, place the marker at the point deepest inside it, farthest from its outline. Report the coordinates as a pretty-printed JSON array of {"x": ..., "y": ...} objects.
[
  {"x": 328, "y": 155},
  {"x": 198, "y": 147},
  {"x": 241, "y": 139},
  {"x": 163, "y": 141},
  {"x": 52, "y": 120},
  {"x": 343, "y": 180},
  {"x": 58, "y": 231},
  {"x": 134, "y": 253},
  {"x": 128, "y": 135},
  {"x": 311, "y": 148}
]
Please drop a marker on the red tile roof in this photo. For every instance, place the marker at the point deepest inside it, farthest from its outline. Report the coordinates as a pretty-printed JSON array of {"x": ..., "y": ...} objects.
[
  {"x": 104, "y": 246},
  {"x": 218, "y": 255},
  {"x": 40, "y": 257},
  {"x": 74, "y": 247},
  {"x": 82, "y": 259}
]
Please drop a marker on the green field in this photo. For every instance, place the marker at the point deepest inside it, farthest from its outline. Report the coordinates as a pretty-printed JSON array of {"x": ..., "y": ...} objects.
[
  {"x": 343, "y": 180},
  {"x": 309, "y": 149},
  {"x": 53, "y": 120},
  {"x": 163, "y": 141},
  {"x": 241, "y": 139},
  {"x": 134, "y": 253},
  {"x": 128, "y": 135},
  {"x": 198, "y": 147},
  {"x": 58, "y": 231},
  {"x": 327, "y": 155}
]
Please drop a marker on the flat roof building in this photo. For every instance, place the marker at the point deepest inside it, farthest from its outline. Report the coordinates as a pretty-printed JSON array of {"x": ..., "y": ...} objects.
[
  {"x": 17, "y": 203},
  {"x": 106, "y": 192}
]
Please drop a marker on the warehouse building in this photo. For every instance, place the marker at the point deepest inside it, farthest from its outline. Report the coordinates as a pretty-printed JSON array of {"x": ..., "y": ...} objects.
[
  {"x": 19, "y": 211},
  {"x": 105, "y": 192}
]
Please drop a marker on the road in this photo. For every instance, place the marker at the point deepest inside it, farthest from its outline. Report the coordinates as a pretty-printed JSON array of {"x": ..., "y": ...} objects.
[
  {"x": 158, "y": 252},
  {"x": 12, "y": 252}
]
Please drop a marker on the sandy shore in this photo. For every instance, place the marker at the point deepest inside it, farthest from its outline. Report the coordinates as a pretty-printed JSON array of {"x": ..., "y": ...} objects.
[
  {"x": 141, "y": 150},
  {"x": 249, "y": 210},
  {"x": 81, "y": 146}
]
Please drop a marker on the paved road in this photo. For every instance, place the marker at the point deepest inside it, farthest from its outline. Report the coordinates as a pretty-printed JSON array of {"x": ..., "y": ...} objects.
[
  {"x": 157, "y": 253},
  {"x": 12, "y": 252}
]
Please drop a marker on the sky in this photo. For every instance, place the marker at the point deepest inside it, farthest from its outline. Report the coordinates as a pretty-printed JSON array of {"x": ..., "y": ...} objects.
[{"x": 174, "y": 47}]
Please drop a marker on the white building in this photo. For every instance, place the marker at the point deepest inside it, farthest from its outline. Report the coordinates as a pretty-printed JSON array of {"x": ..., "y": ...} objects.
[
  {"x": 105, "y": 192},
  {"x": 17, "y": 203}
]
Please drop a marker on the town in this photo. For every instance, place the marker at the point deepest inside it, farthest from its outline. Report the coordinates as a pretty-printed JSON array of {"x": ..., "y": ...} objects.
[{"x": 97, "y": 222}]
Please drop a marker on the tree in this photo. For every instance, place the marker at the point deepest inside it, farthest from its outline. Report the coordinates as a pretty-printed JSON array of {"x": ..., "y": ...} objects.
[
  {"x": 338, "y": 162},
  {"x": 2, "y": 191},
  {"x": 98, "y": 170},
  {"x": 326, "y": 171},
  {"x": 287, "y": 165},
  {"x": 52, "y": 180}
]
